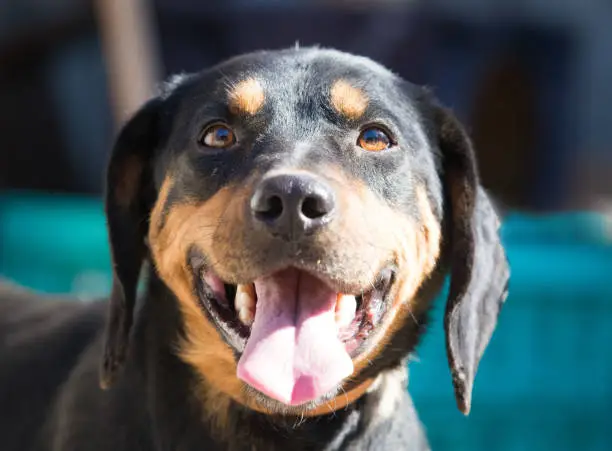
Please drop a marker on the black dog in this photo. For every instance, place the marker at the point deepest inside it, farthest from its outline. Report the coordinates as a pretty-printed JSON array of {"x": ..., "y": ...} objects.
[{"x": 300, "y": 210}]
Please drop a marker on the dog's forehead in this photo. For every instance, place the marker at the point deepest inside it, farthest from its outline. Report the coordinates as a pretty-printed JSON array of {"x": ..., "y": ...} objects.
[{"x": 278, "y": 79}]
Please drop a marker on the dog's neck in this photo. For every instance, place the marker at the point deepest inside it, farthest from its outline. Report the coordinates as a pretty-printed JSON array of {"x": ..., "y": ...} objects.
[{"x": 235, "y": 426}]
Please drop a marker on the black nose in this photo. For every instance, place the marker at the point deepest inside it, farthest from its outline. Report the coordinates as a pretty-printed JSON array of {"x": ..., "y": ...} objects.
[{"x": 291, "y": 205}]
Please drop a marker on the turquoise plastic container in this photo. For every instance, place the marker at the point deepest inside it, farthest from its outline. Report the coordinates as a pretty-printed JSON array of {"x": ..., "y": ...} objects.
[
  {"x": 55, "y": 244},
  {"x": 544, "y": 383}
]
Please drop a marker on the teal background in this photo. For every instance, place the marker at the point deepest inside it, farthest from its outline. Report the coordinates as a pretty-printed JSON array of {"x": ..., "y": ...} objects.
[{"x": 544, "y": 382}]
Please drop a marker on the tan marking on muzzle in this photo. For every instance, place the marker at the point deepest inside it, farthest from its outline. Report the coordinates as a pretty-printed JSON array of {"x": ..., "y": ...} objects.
[
  {"x": 189, "y": 224},
  {"x": 381, "y": 232},
  {"x": 417, "y": 254},
  {"x": 367, "y": 224}
]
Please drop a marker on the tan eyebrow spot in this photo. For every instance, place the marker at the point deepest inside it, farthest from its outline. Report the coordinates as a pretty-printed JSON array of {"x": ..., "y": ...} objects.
[
  {"x": 247, "y": 97},
  {"x": 348, "y": 100}
]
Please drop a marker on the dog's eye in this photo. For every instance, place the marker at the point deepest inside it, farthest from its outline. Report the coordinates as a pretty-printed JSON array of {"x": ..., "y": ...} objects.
[
  {"x": 374, "y": 139},
  {"x": 217, "y": 136}
]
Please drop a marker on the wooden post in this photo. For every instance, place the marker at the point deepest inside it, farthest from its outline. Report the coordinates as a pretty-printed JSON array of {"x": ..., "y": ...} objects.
[{"x": 129, "y": 46}]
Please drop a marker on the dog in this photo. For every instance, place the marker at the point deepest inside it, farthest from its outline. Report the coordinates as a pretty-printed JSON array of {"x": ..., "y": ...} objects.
[{"x": 279, "y": 225}]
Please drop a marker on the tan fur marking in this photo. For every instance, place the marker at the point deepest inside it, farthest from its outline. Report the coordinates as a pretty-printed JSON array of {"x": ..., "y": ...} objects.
[
  {"x": 348, "y": 100},
  {"x": 203, "y": 348},
  {"x": 415, "y": 248},
  {"x": 247, "y": 97},
  {"x": 417, "y": 253},
  {"x": 367, "y": 233}
]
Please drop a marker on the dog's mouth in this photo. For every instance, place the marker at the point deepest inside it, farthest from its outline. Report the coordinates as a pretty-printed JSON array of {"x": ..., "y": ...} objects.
[{"x": 295, "y": 334}]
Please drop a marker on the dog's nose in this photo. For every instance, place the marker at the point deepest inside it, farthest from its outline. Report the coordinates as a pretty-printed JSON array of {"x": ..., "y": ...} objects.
[{"x": 292, "y": 205}]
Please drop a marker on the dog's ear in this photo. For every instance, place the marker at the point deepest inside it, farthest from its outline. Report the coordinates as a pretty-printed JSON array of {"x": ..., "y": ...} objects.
[
  {"x": 478, "y": 265},
  {"x": 130, "y": 194}
]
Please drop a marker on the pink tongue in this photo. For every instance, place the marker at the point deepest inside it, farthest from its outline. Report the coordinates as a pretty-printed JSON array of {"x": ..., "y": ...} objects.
[{"x": 294, "y": 354}]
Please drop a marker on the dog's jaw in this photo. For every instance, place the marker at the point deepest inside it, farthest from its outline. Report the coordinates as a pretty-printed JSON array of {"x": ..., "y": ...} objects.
[{"x": 304, "y": 334}]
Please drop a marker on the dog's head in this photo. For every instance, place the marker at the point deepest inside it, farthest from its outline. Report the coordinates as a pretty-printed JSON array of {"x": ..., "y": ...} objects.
[{"x": 297, "y": 203}]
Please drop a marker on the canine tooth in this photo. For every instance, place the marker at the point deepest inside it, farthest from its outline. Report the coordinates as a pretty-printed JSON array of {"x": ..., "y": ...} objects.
[
  {"x": 246, "y": 317},
  {"x": 346, "y": 308},
  {"x": 245, "y": 303},
  {"x": 245, "y": 296}
]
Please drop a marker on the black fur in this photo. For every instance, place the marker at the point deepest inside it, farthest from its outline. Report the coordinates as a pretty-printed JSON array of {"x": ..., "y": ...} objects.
[{"x": 50, "y": 352}]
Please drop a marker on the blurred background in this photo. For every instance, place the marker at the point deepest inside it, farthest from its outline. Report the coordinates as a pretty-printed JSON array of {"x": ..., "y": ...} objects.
[{"x": 530, "y": 79}]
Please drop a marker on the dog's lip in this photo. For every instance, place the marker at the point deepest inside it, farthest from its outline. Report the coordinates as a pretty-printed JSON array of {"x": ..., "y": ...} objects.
[
  {"x": 381, "y": 281},
  {"x": 221, "y": 308},
  {"x": 356, "y": 337},
  {"x": 336, "y": 282}
]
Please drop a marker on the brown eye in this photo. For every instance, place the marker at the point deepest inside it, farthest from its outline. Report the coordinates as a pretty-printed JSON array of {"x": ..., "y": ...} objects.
[
  {"x": 374, "y": 139},
  {"x": 217, "y": 136}
]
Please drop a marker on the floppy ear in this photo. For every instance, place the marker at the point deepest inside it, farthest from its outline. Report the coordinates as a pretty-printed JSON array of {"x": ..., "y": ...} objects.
[
  {"x": 478, "y": 265},
  {"x": 129, "y": 198}
]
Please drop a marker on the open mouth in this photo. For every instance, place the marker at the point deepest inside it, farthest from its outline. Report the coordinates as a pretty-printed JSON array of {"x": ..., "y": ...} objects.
[{"x": 296, "y": 334}]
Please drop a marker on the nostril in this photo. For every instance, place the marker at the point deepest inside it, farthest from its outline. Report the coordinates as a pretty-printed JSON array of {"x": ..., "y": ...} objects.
[
  {"x": 314, "y": 207},
  {"x": 271, "y": 209},
  {"x": 290, "y": 206}
]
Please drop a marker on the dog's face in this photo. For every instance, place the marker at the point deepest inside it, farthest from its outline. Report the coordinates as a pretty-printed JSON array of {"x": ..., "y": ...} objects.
[{"x": 297, "y": 203}]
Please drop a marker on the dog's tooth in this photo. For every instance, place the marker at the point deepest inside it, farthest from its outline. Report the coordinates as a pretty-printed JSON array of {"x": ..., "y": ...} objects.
[
  {"x": 245, "y": 296},
  {"x": 245, "y": 303},
  {"x": 346, "y": 308},
  {"x": 246, "y": 316}
]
